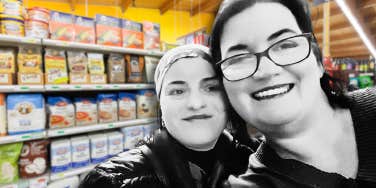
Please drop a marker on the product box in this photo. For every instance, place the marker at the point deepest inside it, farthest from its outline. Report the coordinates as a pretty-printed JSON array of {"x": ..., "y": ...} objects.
[
  {"x": 69, "y": 182},
  {"x": 78, "y": 78},
  {"x": 97, "y": 78},
  {"x": 7, "y": 79},
  {"x": 30, "y": 78},
  {"x": 33, "y": 159},
  {"x": 107, "y": 107},
  {"x": 135, "y": 68},
  {"x": 95, "y": 63},
  {"x": 146, "y": 104},
  {"x": 115, "y": 143},
  {"x": 7, "y": 61},
  {"x": 77, "y": 62},
  {"x": 98, "y": 148},
  {"x": 61, "y": 26},
  {"x": 150, "y": 66},
  {"x": 26, "y": 113},
  {"x": 108, "y": 30},
  {"x": 132, "y": 34},
  {"x": 55, "y": 67},
  {"x": 127, "y": 106},
  {"x": 60, "y": 112},
  {"x": 80, "y": 151},
  {"x": 60, "y": 155},
  {"x": 132, "y": 135},
  {"x": 86, "y": 111},
  {"x": 84, "y": 29},
  {"x": 116, "y": 68},
  {"x": 29, "y": 59},
  {"x": 3, "y": 115},
  {"x": 151, "y": 36}
]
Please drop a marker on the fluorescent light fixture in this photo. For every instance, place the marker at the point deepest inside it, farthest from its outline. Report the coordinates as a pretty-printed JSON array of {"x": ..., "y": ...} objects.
[{"x": 346, "y": 10}]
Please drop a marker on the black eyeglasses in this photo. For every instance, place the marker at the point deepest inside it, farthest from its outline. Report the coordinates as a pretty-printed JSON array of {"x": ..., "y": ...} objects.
[{"x": 288, "y": 51}]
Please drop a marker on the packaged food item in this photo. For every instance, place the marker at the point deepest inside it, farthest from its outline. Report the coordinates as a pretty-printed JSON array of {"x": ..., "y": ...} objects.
[
  {"x": 29, "y": 59},
  {"x": 38, "y": 14},
  {"x": 12, "y": 25},
  {"x": 7, "y": 61},
  {"x": 85, "y": 30},
  {"x": 135, "y": 68},
  {"x": 86, "y": 111},
  {"x": 98, "y": 148},
  {"x": 115, "y": 143},
  {"x": 61, "y": 26},
  {"x": 38, "y": 182},
  {"x": 108, "y": 30},
  {"x": 30, "y": 78},
  {"x": 33, "y": 159},
  {"x": 26, "y": 113},
  {"x": 3, "y": 115},
  {"x": 149, "y": 129},
  {"x": 150, "y": 66},
  {"x": 96, "y": 63},
  {"x": 151, "y": 36},
  {"x": 132, "y": 135},
  {"x": 60, "y": 155},
  {"x": 80, "y": 151},
  {"x": 78, "y": 78},
  {"x": 132, "y": 34},
  {"x": 127, "y": 106},
  {"x": 116, "y": 68},
  {"x": 146, "y": 104},
  {"x": 77, "y": 62},
  {"x": 71, "y": 182},
  {"x": 55, "y": 67},
  {"x": 107, "y": 107},
  {"x": 8, "y": 162},
  {"x": 36, "y": 29},
  {"x": 60, "y": 112},
  {"x": 12, "y": 7},
  {"x": 98, "y": 78},
  {"x": 6, "y": 78}
]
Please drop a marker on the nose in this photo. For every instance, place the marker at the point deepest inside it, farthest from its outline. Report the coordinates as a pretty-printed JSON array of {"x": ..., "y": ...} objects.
[
  {"x": 196, "y": 101},
  {"x": 266, "y": 69}
]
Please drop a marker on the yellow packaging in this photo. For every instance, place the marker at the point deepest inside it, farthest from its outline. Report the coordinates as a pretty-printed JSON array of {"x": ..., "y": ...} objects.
[
  {"x": 7, "y": 61},
  {"x": 3, "y": 120},
  {"x": 55, "y": 67},
  {"x": 98, "y": 78},
  {"x": 12, "y": 25},
  {"x": 29, "y": 60},
  {"x": 6, "y": 78},
  {"x": 78, "y": 78},
  {"x": 30, "y": 78},
  {"x": 96, "y": 63}
]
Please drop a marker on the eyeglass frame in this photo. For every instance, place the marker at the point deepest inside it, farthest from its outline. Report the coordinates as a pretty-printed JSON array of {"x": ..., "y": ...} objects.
[{"x": 308, "y": 36}]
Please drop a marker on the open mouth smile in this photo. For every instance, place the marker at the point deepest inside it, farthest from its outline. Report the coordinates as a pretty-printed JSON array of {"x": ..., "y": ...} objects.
[{"x": 271, "y": 92}]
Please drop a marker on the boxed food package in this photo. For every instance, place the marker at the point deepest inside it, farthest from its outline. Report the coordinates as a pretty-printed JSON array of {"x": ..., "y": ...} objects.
[
  {"x": 107, "y": 107},
  {"x": 132, "y": 135},
  {"x": 61, "y": 26},
  {"x": 96, "y": 63},
  {"x": 29, "y": 59},
  {"x": 115, "y": 143},
  {"x": 26, "y": 113},
  {"x": 78, "y": 78},
  {"x": 12, "y": 25},
  {"x": 8, "y": 162},
  {"x": 33, "y": 159},
  {"x": 60, "y": 155},
  {"x": 7, "y": 61},
  {"x": 135, "y": 68},
  {"x": 60, "y": 112},
  {"x": 77, "y": 62},
  {"x": 127, "y": 106},
  {"x": 98, "y": 148},
  {"x": 133, "y": 36},
  {"x": 12, "y": 7},
  {"x": 36, "y": 29},
  {"x": 150, "y": 66},
  {"x": 116, "y": 69},
  {"x": 80, "y": 151},
  {"x": 151, "y": 36},
  {"x": 86, "y": 111},
  {"x": 3, "y": 115},
  {"x": 38, "y": 182},
  {"x": 55, "y": 67},
  {"x": 30, "y": 78},
  {"x": 84, "y": 29},
  {"x": 7, "y": 78},
  {"x": 108, "y": 30},
  {"x": 70, "y": 182},
  {"x": 39, "y": 14},
  {"x": 146, "y": 104},
  {"x": 98, "y": 78}
]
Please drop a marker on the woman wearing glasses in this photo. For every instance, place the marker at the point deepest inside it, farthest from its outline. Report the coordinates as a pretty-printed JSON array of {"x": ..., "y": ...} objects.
[
  {"x": 191, "y": 150},
  {"x": 315, "y": 135}
]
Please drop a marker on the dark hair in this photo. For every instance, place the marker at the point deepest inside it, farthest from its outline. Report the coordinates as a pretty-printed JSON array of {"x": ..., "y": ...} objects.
[{"x": 332, "y": 87}]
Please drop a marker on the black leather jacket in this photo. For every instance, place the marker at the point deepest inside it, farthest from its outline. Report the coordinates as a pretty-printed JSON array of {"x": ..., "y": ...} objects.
[{"x": 158, "y": 164}]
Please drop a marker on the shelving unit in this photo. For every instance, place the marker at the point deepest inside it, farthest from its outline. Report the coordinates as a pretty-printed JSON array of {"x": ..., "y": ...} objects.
[
  {"x": 72, "y": 172},
  {"x": 21, "y": 88},
  {"x": 90, "y": 87},
  {"x": 23, "y": 137}
]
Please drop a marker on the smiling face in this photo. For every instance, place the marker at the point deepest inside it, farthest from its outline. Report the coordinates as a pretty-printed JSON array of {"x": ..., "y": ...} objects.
[
  {"x": 274, "y": 95},
  {"x": 192, "y": 104}
]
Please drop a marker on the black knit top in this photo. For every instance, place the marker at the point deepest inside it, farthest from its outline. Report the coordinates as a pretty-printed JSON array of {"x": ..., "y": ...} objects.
[{"x": 267, "y": 169}]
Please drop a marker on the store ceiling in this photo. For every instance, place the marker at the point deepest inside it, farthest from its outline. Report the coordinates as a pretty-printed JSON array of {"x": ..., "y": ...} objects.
[{"x": 344, "y": 40}]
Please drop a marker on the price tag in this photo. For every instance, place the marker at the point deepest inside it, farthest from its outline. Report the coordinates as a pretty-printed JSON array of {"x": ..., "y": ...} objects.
[
  {"x": 29, "y": 40},
  {"x": 115, "y": 86},
  {"x": 138, "y": 86},
  {"x": 99, "y": 87},
  {"x": 111, "y": 125},
  {"x": 77, "y": 87},
  {"x": 60, "y": 132},
  {"x": 24, "y": 88},
  {"x": 61, "y": 175},
  {"x": 55, "y": 87},
  {"x": 25, "y": 137}
]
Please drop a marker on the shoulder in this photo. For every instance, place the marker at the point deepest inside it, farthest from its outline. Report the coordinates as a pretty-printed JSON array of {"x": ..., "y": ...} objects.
[{"x": 362, "y": 104}]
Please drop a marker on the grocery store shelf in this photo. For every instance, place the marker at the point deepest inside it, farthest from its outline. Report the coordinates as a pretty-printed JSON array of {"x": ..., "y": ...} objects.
[
  {"x": 367, "y": 74},
  {"x": 91, "y": 128},
  {"x": 21, "y": 88},
  {"x": 88, "y": 87},
  {"x": 98, "y": 48},
  {"x": 69, "y": 173},
  {"x": 22, "y": 137},
  {"x": 7, "y": 40}
]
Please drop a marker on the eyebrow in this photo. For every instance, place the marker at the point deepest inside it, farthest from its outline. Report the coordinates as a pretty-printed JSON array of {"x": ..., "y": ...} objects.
[
  {"x": 210, "y": 78},
  {"x": 176, "y": 82}
]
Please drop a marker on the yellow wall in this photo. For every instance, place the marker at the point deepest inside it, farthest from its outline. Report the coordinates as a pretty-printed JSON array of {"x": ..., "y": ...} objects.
[{"x": 173, "y": 24}]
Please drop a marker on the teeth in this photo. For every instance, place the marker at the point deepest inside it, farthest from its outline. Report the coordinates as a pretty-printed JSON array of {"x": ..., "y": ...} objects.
[{"x": 271, "y": 92}]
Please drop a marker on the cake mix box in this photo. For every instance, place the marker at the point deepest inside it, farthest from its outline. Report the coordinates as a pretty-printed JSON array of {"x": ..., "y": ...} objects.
[
  {"x": 3, "y": 115},
  {"x": 84, "y": 29},
  {"x": 98, "y": 148},
  {"x": 127, "y": 106},
  {"x": 146, "y": 104},
  {"x": 132, "y": 135},
  {"x": 26, "y": 113},
  {"x": 61, "y": 26},
  {"x": 151, "y": 36},
  {"x": 107, "y": 107},
  {"x": 115, "y": 143},
  {"x": 132, "y": 34},
  {"x": 60, "y": 155},
  {"x": 86, "y": 111},
  {"x": 108, "y": 30},
  {"x": 80, "y": 151},
  {"x": 60, "y": 112},
  {"x": 55, "y": 67}
]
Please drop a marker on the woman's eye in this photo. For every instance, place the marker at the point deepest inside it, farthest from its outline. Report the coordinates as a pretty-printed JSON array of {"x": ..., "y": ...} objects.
[
  {"x": 286, "y": 45},
  {"x": 176, "y": 92},
  {"x": 212, "y": 88}
]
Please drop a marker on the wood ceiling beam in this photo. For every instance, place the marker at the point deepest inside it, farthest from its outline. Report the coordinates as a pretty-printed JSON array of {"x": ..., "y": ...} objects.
[
  {"x": 356, "y": 41},
  {"x": 168, "y": 5},
  {"x": 349, "y": 53},
  {"x": 124, "y": 4},
  {"x": 206, "y": 5},
  {"x": 317, "y": 11},
  {"x": 368, "y": 3},
  {"x": 336, "y": 22}
]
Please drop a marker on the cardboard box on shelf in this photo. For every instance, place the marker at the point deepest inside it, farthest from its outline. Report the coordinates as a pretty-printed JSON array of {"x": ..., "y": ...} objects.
[
  {"x": 85, "y": 30},
  {"x": 78, "y": 78},
  {"x": 3, "y": 115},
  {"x": 61, "y": 26},
  {"x": 132, "y": 34},
  {"x": 7, "y": 79},
  {"x": 30, "y": 78},
  {"x": 98, "y": 79},
  {"x": 108, "y": 30}
]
